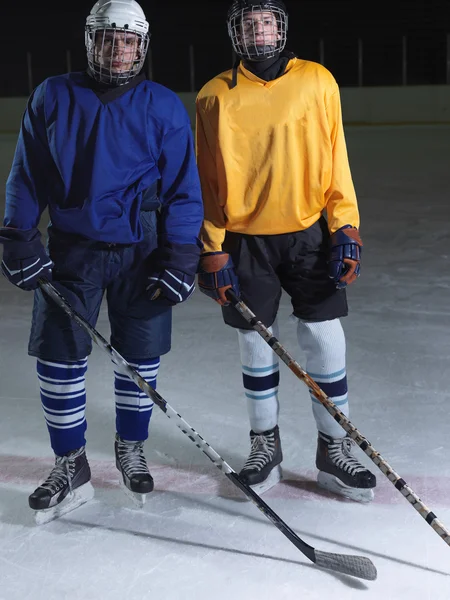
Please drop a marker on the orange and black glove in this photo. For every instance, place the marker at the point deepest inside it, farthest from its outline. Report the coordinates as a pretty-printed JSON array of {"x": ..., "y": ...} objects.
[
  {"x": 216, "y": 275},
  {"x": 345, "y": 256}
]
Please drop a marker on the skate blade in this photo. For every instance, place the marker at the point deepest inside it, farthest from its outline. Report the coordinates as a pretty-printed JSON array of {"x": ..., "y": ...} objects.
[
  {"x": 275, "y": 476},
  {"x": 138, "y": 500},
  {"x": 333, "y": 484},
  {"x": 71, "y": 502}
]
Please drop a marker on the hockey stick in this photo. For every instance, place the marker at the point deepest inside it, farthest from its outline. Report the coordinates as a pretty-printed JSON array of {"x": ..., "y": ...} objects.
[
  {"x": 339, "y": 416},
  {"x": 358, "y": 566}
]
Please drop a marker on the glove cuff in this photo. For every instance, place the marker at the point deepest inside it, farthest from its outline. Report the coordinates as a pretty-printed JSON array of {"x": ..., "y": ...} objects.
[
  {"x": 211, "y": 262},
  {"x": 10, "y": 234},
  {"x": 346, "y": 235},
  {"x": 182, "y": 257}
]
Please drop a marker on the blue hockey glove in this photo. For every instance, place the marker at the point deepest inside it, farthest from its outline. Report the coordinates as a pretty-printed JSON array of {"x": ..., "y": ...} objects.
[
  {"x": 345, "y": 256},
  {"x": 216, "y": 275},
  {"x": 24, "y": 258},
  {"x": 174, "y": 285},
  {"x": 172, "y": 272}
]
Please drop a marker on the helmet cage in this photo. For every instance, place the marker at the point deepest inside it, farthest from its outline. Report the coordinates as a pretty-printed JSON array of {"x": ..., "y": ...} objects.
[
  {"x": 102, "y": 44},
  {"x": 116, "y": 31},
  {"x": 245, "y": 33}
]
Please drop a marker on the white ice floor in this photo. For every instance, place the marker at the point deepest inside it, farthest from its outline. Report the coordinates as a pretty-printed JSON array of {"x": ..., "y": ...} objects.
[{"x": 196, "y": 539}]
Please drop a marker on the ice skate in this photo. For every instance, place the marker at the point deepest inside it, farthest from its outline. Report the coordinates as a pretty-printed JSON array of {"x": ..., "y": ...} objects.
[
  {"x": 136, "y": 480},
  {"x": 340, "y": 472},
  {"x": 65, "y": 489},
  {"x": 262, "y": 470}
]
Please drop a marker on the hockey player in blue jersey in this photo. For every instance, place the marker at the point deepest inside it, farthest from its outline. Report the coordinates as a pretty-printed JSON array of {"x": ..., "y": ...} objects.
[{"x": 111, "y": 156}]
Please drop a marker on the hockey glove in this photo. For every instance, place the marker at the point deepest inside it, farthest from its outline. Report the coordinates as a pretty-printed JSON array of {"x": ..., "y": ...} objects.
[
  {"x": 345, "y": 256},
  {"x": 24, "y": 257},
  {"x": 216, "y": 275},
  {"x": 172, "y": 272}
]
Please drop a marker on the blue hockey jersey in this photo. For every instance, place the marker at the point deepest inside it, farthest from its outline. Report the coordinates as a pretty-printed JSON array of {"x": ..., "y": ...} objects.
[{"x": 92, "y": 158}]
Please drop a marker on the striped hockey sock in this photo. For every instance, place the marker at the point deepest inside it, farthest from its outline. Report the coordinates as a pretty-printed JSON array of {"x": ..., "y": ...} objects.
[
  {"x": 261, "y": 377},
  {"x": 133, "y": 407},
  {"x": 63, "y": 396},
  {"x": 324, "y": 346}
]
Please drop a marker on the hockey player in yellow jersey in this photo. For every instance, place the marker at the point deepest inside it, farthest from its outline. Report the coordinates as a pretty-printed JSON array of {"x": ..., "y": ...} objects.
[{"x": 280, "y": 214}]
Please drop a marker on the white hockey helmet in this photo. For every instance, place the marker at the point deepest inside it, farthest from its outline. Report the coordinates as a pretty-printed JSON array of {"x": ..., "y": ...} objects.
[{"x": 111, "y": 26}]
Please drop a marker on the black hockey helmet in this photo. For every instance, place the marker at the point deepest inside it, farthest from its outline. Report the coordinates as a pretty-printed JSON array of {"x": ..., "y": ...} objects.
[{"x": 257, "y": 29}]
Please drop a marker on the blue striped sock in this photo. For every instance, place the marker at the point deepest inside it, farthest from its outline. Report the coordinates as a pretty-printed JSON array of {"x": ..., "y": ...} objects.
[
  {"x": 63, "y": 396},
  {"x": 133, "y": 407}
]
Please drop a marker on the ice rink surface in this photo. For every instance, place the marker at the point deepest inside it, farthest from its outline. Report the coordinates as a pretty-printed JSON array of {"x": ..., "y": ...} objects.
[{"x": 196, "y": 538}]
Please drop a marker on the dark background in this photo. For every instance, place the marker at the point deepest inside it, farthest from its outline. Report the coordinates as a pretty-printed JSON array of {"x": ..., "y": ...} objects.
[{"x": 47, "y": 30}]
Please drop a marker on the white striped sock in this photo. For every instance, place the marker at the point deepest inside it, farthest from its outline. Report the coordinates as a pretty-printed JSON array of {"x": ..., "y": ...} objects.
[
  {"x": 324, "y": 345},
  {"x": 260, "y": 370}
]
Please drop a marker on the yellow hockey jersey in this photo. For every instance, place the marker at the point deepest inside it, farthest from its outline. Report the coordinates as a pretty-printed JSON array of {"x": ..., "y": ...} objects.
[{"x": 272, "y": 155}]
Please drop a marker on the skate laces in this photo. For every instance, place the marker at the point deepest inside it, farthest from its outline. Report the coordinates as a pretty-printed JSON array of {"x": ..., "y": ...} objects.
[
  {"x": 62, "y": 473},
  {"x": 131, "y": 457},
  {"x": 340, "y": 453},
  {"x": 261, "y": 451}
]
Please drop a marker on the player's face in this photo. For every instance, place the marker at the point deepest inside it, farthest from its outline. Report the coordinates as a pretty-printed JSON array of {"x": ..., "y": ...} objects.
[
  {"x": 259, "y": 28},
  {"x": 117, "y": 50}
]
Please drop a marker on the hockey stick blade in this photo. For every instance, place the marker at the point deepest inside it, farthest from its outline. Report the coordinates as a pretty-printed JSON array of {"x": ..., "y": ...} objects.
[
  {"x": 397, "y": 481},
  {"x": 357, "y": 566},
  {"x": 348, "y": 564}
]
